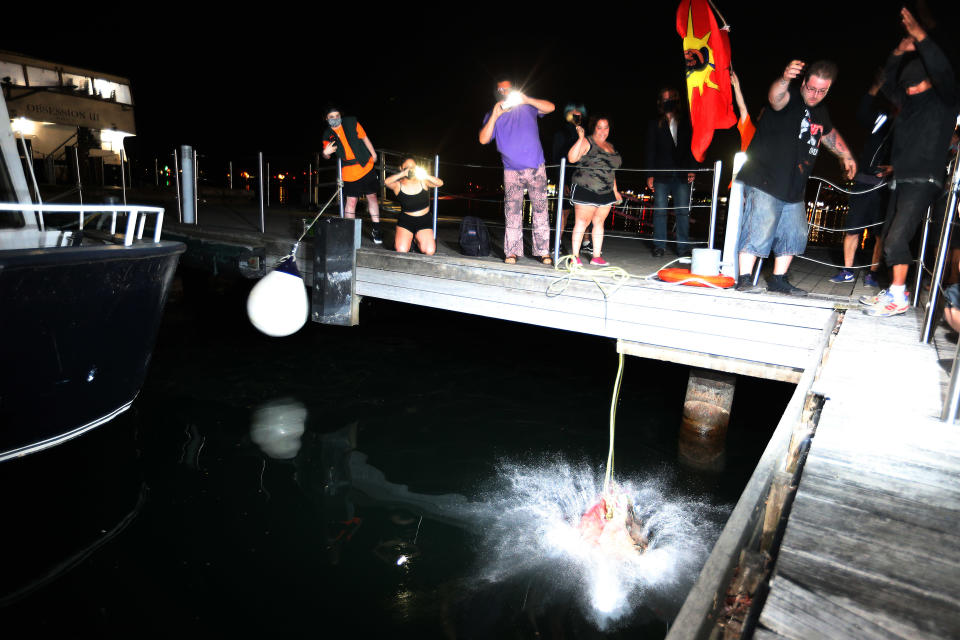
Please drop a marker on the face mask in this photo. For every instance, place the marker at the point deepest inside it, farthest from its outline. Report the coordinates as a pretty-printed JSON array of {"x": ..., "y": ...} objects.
[
  {"x": 670, "y": 105},
  {"x": 334, "y": 122}
]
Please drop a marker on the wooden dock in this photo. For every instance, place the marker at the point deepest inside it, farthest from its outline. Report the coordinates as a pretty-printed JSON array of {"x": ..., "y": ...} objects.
[{"x": 870, "y": 547}]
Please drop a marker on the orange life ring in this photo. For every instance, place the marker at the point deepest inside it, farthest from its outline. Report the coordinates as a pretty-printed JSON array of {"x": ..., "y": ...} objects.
[{"x": 679, "y": 275}]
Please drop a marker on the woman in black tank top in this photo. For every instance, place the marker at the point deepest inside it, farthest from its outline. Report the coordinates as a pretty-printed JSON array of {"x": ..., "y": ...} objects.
[{"x": 411, "y": 189}]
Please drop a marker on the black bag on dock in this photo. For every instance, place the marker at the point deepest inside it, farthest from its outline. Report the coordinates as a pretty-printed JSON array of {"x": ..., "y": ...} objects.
[{"x": 474, "y": 238}]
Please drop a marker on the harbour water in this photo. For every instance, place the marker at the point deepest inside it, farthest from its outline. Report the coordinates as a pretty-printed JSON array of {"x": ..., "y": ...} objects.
[{"x": 415, "y": 474}]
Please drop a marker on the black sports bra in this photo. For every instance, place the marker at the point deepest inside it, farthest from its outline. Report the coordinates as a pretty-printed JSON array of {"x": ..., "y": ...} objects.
[{"x": 413, "y": 203}]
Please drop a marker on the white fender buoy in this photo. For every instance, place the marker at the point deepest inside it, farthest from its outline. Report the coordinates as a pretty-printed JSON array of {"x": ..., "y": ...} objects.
[{"x": 278, "y": 305}]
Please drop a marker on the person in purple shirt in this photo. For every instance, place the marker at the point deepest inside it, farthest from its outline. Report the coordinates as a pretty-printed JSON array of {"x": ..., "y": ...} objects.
[{"x": 513, "y": 124}]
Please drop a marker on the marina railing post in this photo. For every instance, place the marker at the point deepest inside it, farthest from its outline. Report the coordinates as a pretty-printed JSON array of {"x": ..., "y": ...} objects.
[
  {"x": 196, "y": 189},
  {"x": 230, "y": 174},
  {"x": 922, "y": 255},
  {"x": 952, "y": 401},
  {"x": 268, "y": 183},
  {"x": 310, "y": 184},
  {"x": 263, "y": 221},
  {"x": 340, "y": 186},
  {"x": 436, "y": 193},
  {"x": 156, "y": 171},
  {"x": 76, "y": 157},
  {"x": 943, "y": 252},
  {"x": 176, "y": 182},
  {"x": 717, "y": 166},
  {"x": 123, "y": 179},
  {"x": 556, "y": 239},
  {"x": 383, "y": 179},
  {"x": 187, "y": 184}
]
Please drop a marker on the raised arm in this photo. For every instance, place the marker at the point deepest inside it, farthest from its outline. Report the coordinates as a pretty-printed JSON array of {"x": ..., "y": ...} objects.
[
  {"x": 779, "y": 94},
  {"x": 543, "y": 106},
  {"x": 835, "y": 144},
  {"x": 486, "y": 131},
  {"x": 579, "y": 148},
  {"x": 738, "y": 95}
]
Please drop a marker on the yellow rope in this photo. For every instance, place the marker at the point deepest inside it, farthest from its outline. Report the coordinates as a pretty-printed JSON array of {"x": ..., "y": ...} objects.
[
  {"x": 613, "y": 428},
  {"x": 617, "y": 275}
]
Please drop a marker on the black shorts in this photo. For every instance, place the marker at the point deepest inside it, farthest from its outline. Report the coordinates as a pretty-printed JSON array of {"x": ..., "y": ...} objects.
[
  {"x": 580, "y": 195},
  {"x": 866, "y": 209},
  {"x": 368, "y": 184},
  {"x": 415, "y": 224}
]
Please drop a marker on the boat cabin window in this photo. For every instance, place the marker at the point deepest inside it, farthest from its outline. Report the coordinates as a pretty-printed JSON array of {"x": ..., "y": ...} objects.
[
  {"x": 112, "y": 91},
  {"x": 12, "y": 73},
  {"x": 79, "y": 83},
  {"x": 40, "y": 77}
]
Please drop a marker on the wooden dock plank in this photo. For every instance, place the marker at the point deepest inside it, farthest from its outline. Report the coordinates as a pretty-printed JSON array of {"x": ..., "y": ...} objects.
[
  {"x": 696, "y": 319},
  {"x": 791, "y": 611},
  {"x": 919, "y": 613},
  {"x": 904, "y": 559},
  {"x": 743, "y": 348},
  {"x": 923, "y": 505},
  {"x": 882, "y": 531}
]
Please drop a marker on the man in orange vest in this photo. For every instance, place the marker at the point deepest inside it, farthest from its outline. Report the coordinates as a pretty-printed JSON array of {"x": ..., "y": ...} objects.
[{"x": 347, "y": 139}]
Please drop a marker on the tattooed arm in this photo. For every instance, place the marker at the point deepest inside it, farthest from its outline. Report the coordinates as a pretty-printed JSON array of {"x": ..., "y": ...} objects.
[
  {"x": 838, "y": 147},
  {"x": 779, "y": 95}
]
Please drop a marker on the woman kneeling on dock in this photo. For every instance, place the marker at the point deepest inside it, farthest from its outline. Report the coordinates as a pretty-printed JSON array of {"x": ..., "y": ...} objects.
[
  {"x": 594, "y": 188},
  {"x": 411, "y": 188}
]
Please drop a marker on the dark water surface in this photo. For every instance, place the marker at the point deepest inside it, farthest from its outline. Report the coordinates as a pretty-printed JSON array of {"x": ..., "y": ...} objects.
[{"x": 188, "y": 516}]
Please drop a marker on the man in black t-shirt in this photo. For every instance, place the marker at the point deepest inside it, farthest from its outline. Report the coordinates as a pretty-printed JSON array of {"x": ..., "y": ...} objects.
[{"x": 774, "y": 177}]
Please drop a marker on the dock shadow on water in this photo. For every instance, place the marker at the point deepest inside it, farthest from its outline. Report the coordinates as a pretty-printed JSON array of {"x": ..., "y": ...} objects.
[{"x": 421, "y": 474}]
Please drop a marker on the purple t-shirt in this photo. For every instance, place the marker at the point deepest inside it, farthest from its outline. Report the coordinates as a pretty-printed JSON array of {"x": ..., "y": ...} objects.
[{"x": 518, "y": 140}]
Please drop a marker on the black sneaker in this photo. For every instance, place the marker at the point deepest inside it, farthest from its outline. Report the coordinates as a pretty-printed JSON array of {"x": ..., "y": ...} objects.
[
  {"x": 587, "y": 248},
  {"x": 658, "y": 252},
  {"x": 780, "y": 284},
  {"x": 375, "y": 234},
  {"x": 745, "y": 284}
]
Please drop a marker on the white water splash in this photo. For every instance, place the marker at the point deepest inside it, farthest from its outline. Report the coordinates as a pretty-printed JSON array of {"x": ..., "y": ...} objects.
[{"x": 534, "y": 532}]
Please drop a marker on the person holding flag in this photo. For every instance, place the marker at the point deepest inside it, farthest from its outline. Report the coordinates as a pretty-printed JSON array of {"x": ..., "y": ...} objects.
[{"x": 706, "y": 52}]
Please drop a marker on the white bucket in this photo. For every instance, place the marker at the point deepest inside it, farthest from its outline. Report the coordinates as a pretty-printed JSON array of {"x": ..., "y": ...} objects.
[{"x": 705, "y": 262}]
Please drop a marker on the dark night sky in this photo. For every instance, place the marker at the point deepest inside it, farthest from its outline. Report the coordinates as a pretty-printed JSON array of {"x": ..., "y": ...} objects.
[{"x": 244, "y": 84}]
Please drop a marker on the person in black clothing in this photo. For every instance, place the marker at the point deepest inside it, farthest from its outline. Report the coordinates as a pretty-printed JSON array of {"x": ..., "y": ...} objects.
[
  {"x": 779, "y": 163},
  {"x": 920, "y": 80},
  {"x": 668, "y": 147},
  {"x": 573, "y": 117},
  {"x": 876, "y": 116},
  {"x": 412, "y": 187}
]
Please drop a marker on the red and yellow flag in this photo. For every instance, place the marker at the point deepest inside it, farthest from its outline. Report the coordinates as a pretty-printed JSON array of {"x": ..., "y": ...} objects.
[{"x": 706, "y": 49}]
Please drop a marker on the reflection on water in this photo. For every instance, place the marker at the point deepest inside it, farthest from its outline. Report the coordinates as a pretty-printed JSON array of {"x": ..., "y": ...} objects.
[
  {"x": 351, "y": 481},
  {"x": 276, "y": 427}
]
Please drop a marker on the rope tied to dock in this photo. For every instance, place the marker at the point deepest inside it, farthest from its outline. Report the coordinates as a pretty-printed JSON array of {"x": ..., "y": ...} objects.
[{"x": 306, "y": 230}]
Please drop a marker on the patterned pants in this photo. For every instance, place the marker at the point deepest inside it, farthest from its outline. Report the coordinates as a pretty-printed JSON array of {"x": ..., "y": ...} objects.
[{"x": 535, "y": 182}]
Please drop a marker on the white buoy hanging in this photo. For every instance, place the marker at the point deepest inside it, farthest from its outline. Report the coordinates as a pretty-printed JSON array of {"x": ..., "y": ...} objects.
[{"x": 278, "y": 305}]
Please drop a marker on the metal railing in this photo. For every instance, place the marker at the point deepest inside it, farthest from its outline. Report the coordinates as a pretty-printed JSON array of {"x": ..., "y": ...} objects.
[
  {"x": 952, "y": 400},
  {"x": 135, "y": 216}
]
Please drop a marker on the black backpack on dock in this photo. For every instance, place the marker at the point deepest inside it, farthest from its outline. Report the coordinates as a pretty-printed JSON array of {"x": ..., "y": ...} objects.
[{"x": 474, "y": 238}]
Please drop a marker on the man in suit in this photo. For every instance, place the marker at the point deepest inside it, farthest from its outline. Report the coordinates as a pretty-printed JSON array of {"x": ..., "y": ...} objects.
[{"x": 668, "y": 147}]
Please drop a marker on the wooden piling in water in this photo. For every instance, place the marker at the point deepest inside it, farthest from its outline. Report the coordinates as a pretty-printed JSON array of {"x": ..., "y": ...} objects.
[{"x": 706, "y": 414}]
